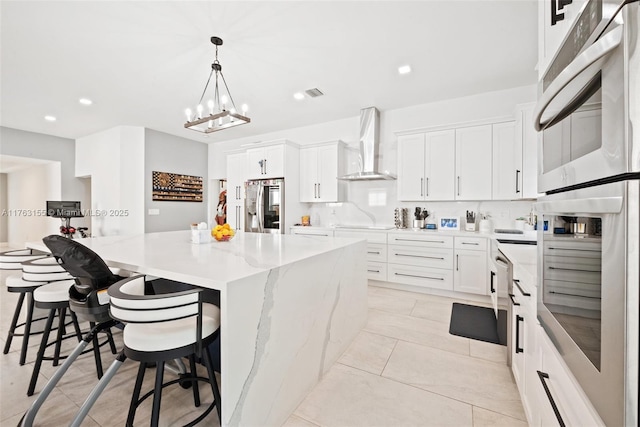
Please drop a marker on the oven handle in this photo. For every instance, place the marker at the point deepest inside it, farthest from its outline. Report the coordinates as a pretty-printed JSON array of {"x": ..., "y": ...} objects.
[
  {"x": 599, "y": 205},
  {"x": 582, "y": 63}
]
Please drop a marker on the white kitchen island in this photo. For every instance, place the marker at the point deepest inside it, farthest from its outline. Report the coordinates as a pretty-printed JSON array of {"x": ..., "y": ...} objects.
[{"x": 290, "y": 305}]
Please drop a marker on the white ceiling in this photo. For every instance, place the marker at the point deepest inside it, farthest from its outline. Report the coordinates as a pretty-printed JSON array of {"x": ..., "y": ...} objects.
[{"x": 143, "y": 62}]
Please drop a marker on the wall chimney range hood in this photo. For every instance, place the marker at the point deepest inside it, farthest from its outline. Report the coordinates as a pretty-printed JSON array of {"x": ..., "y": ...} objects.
[{"x": 369, "y": 144}]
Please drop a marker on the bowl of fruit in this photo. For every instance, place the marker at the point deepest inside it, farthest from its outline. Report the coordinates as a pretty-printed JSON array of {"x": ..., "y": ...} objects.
[{"x": 223, "y": 233}]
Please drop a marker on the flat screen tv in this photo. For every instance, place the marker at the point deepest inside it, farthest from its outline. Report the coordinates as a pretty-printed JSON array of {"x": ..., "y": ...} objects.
[{"x": 63, "y": 209}]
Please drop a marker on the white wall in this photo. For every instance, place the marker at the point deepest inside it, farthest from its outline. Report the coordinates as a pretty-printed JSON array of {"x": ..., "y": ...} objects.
[
  {"x": 114, "y": 159},
  {"x": 4, "y": 218},
  {"x": 374, "y": 202},
  {"x": 28, "y": 190}
]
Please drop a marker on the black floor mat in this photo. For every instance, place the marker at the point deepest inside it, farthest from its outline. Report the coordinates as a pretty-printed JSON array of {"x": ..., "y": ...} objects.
[{"x": 478, "y": 323}]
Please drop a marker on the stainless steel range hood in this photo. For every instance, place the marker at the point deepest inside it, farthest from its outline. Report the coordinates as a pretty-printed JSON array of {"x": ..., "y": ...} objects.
[{"x": 369, "y": 143}]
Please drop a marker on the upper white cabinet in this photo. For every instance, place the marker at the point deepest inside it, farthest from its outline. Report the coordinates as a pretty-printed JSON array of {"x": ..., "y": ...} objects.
[
  {"x": 235, "y": 190},
  {"x": 507, "y": 162},
  {"x": 473, "y": 163},
  {"x": 426, "y": 164},
  {"x": 529, "y": 142},
  {"x": 550, "y": 33},
  {"x": 265, "y": 162},
  {"x": 319, "y": 168}
]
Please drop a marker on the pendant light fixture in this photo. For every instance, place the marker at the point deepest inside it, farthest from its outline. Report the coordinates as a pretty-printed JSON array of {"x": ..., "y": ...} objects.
[{"x": 221, "y": 112}]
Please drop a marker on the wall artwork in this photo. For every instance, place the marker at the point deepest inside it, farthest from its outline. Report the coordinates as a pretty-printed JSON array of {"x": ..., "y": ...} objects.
[{"x": 176, "y": 187}]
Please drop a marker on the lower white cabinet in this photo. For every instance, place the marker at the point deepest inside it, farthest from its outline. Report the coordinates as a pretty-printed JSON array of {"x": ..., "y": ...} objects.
[
  {"x": 376, "y": 251},
  {"x": 436, "y": 278},
  {"x": 558, "y": 387},
  {"x": 307, "y": 231},
  {"x": 235, "y": 214},
  {"x": 470, "y": 265}
]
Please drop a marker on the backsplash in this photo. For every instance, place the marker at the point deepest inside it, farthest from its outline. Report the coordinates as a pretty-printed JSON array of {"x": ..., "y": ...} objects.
[{"x": 374, "y": 202}]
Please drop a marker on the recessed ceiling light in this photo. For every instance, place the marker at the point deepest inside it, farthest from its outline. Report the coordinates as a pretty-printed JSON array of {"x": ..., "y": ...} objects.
[
  {"x": 50, "y": 118},
  {"x": 405, "y": 69},
  {"x": 85, "y": 101},
  {"x": 298, "y": 96}
]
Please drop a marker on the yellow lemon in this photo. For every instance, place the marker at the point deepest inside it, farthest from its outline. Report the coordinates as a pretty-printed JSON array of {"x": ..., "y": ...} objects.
[
  {"x": 225, "y": 231},
  {"x": 232, "y": 232},
  {"x": 218, "y": 227},
  {"x": 226, "y": 226},
  {"x": 218, "y": 235}
]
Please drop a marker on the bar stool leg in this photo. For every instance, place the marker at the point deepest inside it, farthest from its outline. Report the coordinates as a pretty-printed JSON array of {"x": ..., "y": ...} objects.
[
  {"x": 96, "y": 351},
  {"x": 213, "y": 381},
  {"x": 157, "y": 394},
  {"x": 112, "y": 343},
  {"x": 194, "y": 384},
  {"x": 136, "y": 394},
  {"x": 14, "y": 322},
  {"x": 27, "y": 329},
  {"x": 62, "y": 314},
  {"x": 76, "y": 325},
  {"x": 40, "y": 356}
]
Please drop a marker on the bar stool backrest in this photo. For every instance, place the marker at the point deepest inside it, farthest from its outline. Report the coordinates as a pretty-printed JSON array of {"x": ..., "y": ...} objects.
[{"x": 90, "y": 271}]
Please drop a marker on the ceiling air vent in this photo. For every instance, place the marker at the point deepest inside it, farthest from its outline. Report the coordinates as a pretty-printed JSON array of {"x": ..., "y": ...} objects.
[{"x": 314, "y": 93}]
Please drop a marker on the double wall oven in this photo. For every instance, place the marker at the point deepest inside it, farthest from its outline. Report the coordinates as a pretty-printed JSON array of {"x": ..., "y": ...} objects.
[{"x": 589, "y": 167}]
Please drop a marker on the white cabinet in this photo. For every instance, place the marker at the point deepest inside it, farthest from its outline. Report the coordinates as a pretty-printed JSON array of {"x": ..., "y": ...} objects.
[
  {"x": 235, "y": 190},
  {"x": 470, "y": 265},
  {"x": 551, "y": 35},
  {"x": 529, "y": 142},
  {"x": 376, "y": 251},
  {"x": 573, "y": 406},
  {"x": 310, "y": 231},
  {"x": 473, "y": 163},
  {"x": 426, "y": 165},
  {"x": 319, "y": 168},
  {"x": 420, "y": 260},
  {"x": 265, "y": 162},
  {"x": 507, "y": 162}
]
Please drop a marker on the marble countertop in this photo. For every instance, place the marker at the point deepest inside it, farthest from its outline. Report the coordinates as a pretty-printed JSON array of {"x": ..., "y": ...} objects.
[
  {"x": 172, "y": 255},
  {"x": 527, "y": 235}
]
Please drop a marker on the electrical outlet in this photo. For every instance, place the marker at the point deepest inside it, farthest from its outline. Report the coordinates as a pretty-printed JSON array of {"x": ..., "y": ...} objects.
[{"x": 154, "y": 211}]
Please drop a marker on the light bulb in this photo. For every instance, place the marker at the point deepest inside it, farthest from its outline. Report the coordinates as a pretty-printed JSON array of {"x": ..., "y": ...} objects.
[
  {"x": 188, "y": 113},
  {"x": 210, "y": 105},
  {"x": 245, "y": 108},
  {"x": 210, "y": 124},
  {"x": 224, "y": 101},
  {"x": 233, "y": 111},
  {"x": 199, "y": 111}
]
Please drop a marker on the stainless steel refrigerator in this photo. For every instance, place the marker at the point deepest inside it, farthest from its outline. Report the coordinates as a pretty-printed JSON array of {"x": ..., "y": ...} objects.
[{"x": 264, "y": 206}]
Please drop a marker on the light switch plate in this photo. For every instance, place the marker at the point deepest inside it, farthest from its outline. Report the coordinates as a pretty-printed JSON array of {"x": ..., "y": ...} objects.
[{"x": 154, "y": 211}]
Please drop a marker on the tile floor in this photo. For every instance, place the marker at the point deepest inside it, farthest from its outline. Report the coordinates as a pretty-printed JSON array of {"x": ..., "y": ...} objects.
[{"x": 404, "y": 369}]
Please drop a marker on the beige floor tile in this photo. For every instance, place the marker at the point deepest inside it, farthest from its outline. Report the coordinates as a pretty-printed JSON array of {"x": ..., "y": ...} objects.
[
  {"x": 393, "y": 304},
  {"x": 485, "y": 418},
  {"x": 475, "y": 381},
  {"x": 369, "y": 352},
  {"x": 488, "y": 351},
  {"x": 436, "y": 310},
  {"x": 350, "y": 397},
  {"x": 295, "y": 421},
  {"x": 412, "y": 329}
]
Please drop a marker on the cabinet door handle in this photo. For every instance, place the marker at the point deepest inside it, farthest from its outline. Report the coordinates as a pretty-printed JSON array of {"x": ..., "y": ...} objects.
[
  {"x": 457, "y": 263},
  {"x": 470, "y": 243},
  {"x": 420, "y": 256},
  {"x": 315, "y": 191},
  {"x": 458, "y": 185},
  {"x": 421, "y": 187},
  {"x": 318, "y": 190},
  {"x": 517, "y": 283},
  {"x": 493, "y": 290},
  {"x": 422, "y": 241},
  {"x": 373, "y": 271},
  {"x": 427, "y": 187},
  {"x": 543, "y": 377},
  {"x": 512, "y": 296},
  {"x": 422, "y": 277},
  {"x": 518, "y": 320},
  {"x": 373, "y": 252},
  {"x": 517, "y": 181}
]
